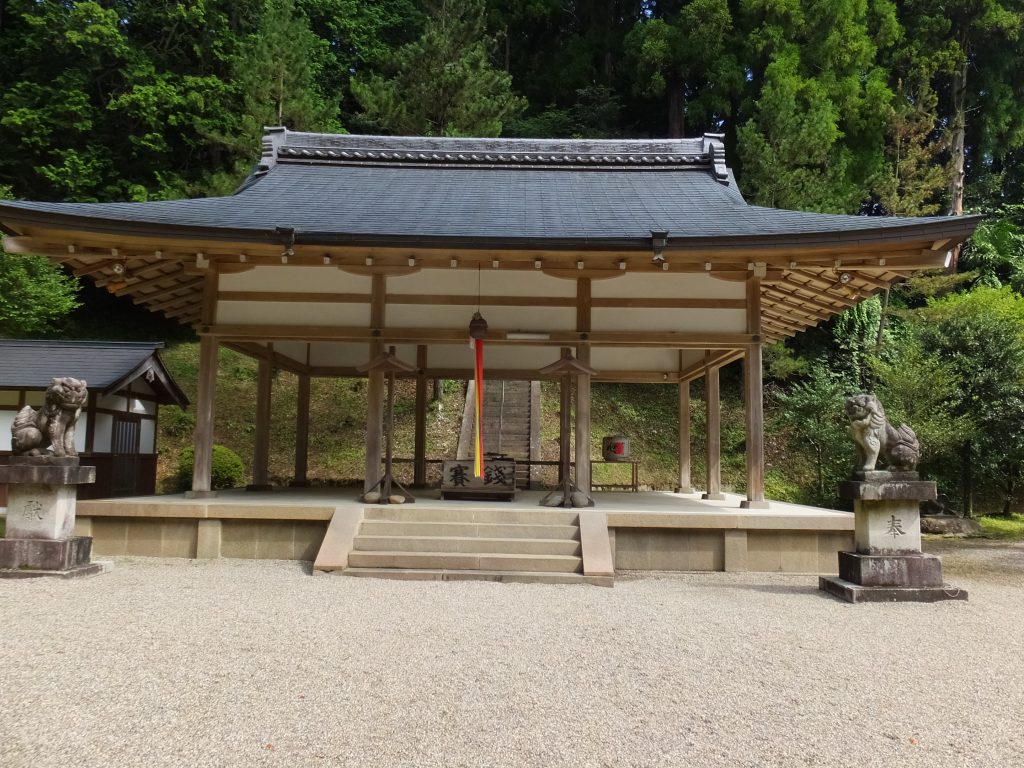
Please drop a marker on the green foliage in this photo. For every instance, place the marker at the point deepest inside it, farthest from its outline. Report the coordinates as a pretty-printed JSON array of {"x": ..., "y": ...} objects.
[
  {"x": 1006, "y": 527},
  {"x": 809, "y": 418},
  {"x": 815, "y": 133},
  {"x": 996, "y": 250},
  {"x": 35, "y": 295},
  {"x": 444, "y": 83},
  {"x": 227, "y": 470},
  {"x": 177, "y": 422},
  {"x": 686, "y": 59},
  {"x": 912, "y": 175}
]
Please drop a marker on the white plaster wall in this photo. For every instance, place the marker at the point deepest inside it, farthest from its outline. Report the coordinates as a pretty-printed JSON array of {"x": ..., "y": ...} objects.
[
  {"x": 634, "y": 359},
  {"x": 526, "y": 358},
  {"x": 147, "y": 436},
  {"x": 505, "y": 318},
  {"x": 668, "y": 285},
  {"x": 112, "y": 402},
  {"x": 6, "y": 420},
  {"x": 497, "y": 282},
  {"x": 292, "y": 313},
  {"x": 684, "y": 320},
  {"x": 101, "y": 437},
  {"x": 304, "y": 279},
  {"x": 337, "y": 354}
]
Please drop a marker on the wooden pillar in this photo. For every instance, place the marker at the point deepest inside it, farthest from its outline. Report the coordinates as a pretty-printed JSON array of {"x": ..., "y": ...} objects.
[
  {"x": 375, "y": 390},
  {"x": 583, "y": 305},
  {"x": 203, "y": 435},
  {"x": 713, "y": 490},
  {"x": 302, "y": 432},
  {"x": 583, "y": 422},
  {"x": 754, "y": 396},
  {"x": 261, "y": 452},
  {"x": 685, "y": 484},
  {"x": 419, "y": 451},
  {"x": 564, "y": 425}
]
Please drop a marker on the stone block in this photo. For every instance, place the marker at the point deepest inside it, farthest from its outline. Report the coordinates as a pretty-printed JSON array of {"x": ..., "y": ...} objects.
[
  {"x": 950, "y": 525},
  {"x": 45, "y": 554},
  {"x": 40, "y": 511},
  {"x": 916, "y": 570},
  {"x": 45, "y": 470},
  {"x": 893, "y": 490},
  {"x": 887, "y": 527},
  {"x": 855, "y": 593}
]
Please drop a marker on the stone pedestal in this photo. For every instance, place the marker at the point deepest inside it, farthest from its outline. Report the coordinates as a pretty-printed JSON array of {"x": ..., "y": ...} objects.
[
  {"x": 888, "y": 564},
  {"x": 41, "y": 493}
]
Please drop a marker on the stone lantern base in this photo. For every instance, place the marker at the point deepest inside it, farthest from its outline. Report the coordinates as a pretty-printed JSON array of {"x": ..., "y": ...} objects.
[
  {"x": 41, "y": 494},
  {"x": 888, "y": 564}
]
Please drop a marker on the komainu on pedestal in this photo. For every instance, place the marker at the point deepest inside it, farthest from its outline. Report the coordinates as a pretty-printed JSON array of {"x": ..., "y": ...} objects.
[
  {"x": 42, "y": 478},
  {"x": 888, "y": 564}
]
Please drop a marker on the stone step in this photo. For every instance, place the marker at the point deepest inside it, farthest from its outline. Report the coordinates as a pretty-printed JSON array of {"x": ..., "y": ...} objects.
[
  {"x": 518, "y": 577},
  {"x": 483, "y": 530},
  {"x": 468, "y": 514},
  {"x": 466, "y": 545},
  {"x": 466, "y": 561}
]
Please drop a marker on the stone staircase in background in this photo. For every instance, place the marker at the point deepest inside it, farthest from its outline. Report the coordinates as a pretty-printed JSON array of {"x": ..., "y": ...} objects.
[
  {"x": 511, "y": 423},
  {"x": 491, "y": 544}
]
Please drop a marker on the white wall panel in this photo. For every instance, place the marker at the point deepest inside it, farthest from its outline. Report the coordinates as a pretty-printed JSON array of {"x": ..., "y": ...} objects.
[
  {"x": 495, "y": 282},
  {"x": 666, "y": 285},
  {"x": 633, "y": 359},
  {"x": 292, "y": 313},
  {"x": 147, "y": 436},
  {"x": 505, "y": 318},
  {"x": 112, "y": 402},
  {"x": 289, "y": 277},
  {"x": 683, "y": 320},
  {"x": 101, "y": 439}
]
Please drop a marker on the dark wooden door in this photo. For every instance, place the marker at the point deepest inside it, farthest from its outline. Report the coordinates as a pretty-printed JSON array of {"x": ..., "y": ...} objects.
[{"x": 124, "y": 445}]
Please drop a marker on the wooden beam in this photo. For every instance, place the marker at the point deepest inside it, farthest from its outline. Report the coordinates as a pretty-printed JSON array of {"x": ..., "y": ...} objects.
[
  {"x": 377, "y": 334},
  {"x": 717, "y": 360},
  {"x": 419, "y": 451},
  {"x": 167, "y": 291},
  {"x": 713, "y": 486},
  {"x": 302, "y": 431},
  {"x": 375, "y": 385},
  {"x": 149, "y": 282},
  {"x": 203, "y": 435},
  {"x": 754, "y": 401},
  {"x": 685, "y": 483},
  {"x": 261, "y": 452},
  {"x": 583, "y": 326}
]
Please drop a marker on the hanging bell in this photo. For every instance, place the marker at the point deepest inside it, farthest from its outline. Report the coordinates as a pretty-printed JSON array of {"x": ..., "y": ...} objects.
[{"x": 477, "y": 327}]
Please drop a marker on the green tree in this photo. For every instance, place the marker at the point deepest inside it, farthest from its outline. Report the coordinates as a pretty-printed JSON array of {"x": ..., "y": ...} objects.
[
  {"x": 35, "y": 296},
  {"x": 912, "y": 175},
  {"x": 277, "y": 71},
  {"x": 815, "y": 133},
  {"x": 686, "y": 59},
  {"x": 979, "y": 337},
  {"x": 809, "y": 416},
  {"x": 444, "y": 83}
]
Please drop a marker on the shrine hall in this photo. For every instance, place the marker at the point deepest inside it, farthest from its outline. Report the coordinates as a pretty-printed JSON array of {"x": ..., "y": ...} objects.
[{"x": 586, "y": 261}]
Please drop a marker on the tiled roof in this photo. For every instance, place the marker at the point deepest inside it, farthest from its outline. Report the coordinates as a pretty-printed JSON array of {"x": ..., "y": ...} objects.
[
  {"x": 103, "y": 364},
  {"x": 340, "y": 188}
]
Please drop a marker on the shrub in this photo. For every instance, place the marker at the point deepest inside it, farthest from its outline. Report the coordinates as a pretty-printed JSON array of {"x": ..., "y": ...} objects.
[{"x": 227, "y": 468}]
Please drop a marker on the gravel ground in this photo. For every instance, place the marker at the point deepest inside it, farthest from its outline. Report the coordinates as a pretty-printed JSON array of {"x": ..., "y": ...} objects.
[{"x": 243, "y": 663}]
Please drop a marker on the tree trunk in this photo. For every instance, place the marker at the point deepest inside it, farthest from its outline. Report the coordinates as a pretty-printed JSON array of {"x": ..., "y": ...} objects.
[
  {"x": 675, "y": 110},
  {"x": 967, "y": 480},
  {"x": 959, "y": 129}
]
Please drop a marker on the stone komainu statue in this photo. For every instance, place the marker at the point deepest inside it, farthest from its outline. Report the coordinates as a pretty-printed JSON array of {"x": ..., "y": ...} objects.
[
  {"x": 53, "y": 425},
  {"x": 877, "y": 439}
]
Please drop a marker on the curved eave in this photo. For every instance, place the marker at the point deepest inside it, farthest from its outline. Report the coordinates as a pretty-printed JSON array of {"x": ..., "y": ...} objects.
[{"x": 16, "y": 221}]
